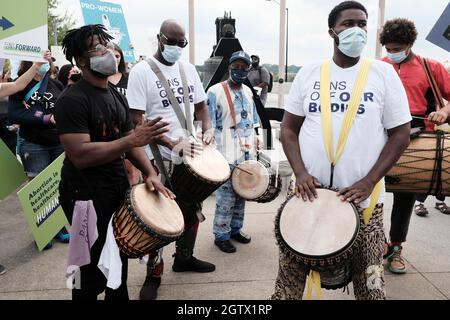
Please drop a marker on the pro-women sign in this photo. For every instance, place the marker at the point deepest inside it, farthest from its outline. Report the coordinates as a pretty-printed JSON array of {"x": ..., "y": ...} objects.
[
  {"x": 23, "y": 29},
  {"x": 112, "y": 17}
]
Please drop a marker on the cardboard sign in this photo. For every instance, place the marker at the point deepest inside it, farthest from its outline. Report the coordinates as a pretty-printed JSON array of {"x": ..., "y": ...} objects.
[
  {"x": 11, "y": 171},
  {"x": 40, "y": 203},
  {"x": 440, "y": 34},
  {"x": 23, "y": 29},
  {"x": 112, "y": 17}
]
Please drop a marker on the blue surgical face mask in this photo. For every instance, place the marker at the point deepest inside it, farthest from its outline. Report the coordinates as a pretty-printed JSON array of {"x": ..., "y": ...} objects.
[
  {"x": 238, "y": 76},
  {"x": 352, "y": 41},
  {"x": 171, "y": 53},
  {"x": 398, "y": 57},
  {"x": 43, "y": 69}
]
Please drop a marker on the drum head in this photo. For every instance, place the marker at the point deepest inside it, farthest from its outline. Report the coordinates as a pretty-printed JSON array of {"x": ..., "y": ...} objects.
[
  {"x": 210, "y": 165},
  {"x": 321, "y": 228},
  {"x": 250, "y": 186},
  {"x": 159, "y": 213}
]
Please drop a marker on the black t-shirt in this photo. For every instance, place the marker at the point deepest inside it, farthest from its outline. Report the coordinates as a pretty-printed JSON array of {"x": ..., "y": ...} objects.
[
  {"x": 104, "y": 115},
  {"x": 122, "y": 85},
  {"x": 44, "y": 134}
]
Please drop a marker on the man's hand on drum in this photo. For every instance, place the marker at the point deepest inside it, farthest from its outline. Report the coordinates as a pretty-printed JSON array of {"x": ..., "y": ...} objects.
[
  {"x": 438, "y": 117},
  {"x": 154, "y": 184},
  {"x": 358, "y": 192},
  {"x": 208, "y": 136},
  {"x": 305, "y": 186},
  {"x": 149, "y": 132},
  {"x": 189, "y": 147}
]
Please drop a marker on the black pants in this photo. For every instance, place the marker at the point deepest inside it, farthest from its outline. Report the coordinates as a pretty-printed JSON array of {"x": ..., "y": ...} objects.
[
  {"x": 106, "y": 201},
  {"x": 423, "y": 197},
  {"x": 401, "y": 216}
]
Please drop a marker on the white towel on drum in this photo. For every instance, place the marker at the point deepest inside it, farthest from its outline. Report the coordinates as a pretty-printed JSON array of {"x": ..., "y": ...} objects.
[{"x": 109, "y": 262}]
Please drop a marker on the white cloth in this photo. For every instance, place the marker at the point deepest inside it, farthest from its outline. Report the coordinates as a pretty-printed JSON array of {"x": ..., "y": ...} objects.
[
  {"x": 384, "y": 106},
  {"x": 219, "y": 111},
  {"x": 146, "y": 93},
  {"x": 109, "y": 262},
  {"x": 83, "y": 234}
]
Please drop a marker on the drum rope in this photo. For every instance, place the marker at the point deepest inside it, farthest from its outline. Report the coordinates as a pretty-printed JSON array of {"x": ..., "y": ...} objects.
[{"x": 413, "y": 171}]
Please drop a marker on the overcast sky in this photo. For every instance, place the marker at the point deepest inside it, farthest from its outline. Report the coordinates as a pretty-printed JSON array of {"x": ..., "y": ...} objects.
[{"x": 257, "y": 25}]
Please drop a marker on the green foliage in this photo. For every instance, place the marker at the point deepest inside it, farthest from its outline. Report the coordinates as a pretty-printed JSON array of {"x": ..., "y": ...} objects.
[{"x": 63, "y": 23}]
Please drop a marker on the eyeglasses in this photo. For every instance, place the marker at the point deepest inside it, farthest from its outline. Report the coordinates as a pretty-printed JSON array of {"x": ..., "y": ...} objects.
[
  {"x": 174, "y": 42},
  {"x": 102, "y": 48}
]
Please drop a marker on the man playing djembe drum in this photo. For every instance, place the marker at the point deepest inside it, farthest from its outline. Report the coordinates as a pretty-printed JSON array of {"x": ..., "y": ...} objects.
[
  {"x": 398, "y": 37},
  {"x": 148, "y": 93},
  {"x": 377, "y": 135},
  {"x": 94, "y": 126}
]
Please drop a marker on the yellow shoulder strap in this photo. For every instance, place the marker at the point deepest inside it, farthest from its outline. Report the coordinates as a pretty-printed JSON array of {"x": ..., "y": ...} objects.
[
  {"x": 349, "y": 118},
  {"x": 350, "y": 113}
]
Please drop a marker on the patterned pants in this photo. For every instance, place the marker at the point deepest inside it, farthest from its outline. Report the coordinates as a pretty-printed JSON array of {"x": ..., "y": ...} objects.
[
  {"x": 229, "y": 215},
  {"x": 367, "y": 262}
]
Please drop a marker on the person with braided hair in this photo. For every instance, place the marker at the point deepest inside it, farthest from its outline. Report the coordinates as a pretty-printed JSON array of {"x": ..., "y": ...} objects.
[{"x": 95, "y": 128}]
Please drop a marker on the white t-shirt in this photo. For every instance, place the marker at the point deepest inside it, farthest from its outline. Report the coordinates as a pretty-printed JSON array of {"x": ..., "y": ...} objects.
[
  {"x": 146, "y": 93},
  {"x": 384, "y": 106},
  {"x": 247, "y": 119}
]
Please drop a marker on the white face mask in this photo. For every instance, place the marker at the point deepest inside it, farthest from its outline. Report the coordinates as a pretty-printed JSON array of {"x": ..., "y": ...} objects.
[
  {"x": 398, "y": 57},
  {"x": 171, "y": 53},
  {"x": 352, "y": 41}
]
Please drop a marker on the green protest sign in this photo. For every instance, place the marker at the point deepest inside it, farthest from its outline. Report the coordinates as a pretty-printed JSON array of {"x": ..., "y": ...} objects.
[
  {"x": 23, "y": 29},
  {"x": 12, "y": 174},
  {"x": 40, "y": 203}
]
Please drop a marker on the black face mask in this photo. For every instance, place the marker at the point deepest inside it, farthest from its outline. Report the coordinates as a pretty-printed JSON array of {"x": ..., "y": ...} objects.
[
  {"x": 255, "y": 64},
  {"x": 75, "y": 77}
]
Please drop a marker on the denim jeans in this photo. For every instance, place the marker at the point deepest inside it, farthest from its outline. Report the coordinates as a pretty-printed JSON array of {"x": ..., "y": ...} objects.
[
  {"x": 36, "y": 157},
  {"x": 229, "y": 215}
]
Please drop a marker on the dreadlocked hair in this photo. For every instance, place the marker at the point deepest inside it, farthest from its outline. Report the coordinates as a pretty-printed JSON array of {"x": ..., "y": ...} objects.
[{"x": 75, "y": 43}]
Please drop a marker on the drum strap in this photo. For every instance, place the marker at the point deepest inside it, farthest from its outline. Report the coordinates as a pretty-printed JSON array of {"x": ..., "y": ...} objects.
[
  {"x": 349, "y": 118},
  {"x": 184, "y": 119},
  {"x": 433, "y": 85},
  {"x": 313, "y": 280},
  {"x": 350, "y": 114},
  {"x": 436, "y": 92},
  {"x": 233, "y": 116}
]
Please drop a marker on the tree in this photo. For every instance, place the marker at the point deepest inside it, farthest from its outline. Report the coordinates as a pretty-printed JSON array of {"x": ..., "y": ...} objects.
[{"x": 63, "y": 23}]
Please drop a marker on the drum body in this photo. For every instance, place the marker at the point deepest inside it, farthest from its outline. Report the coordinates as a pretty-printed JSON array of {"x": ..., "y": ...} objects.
[
  {"x": 320, "y": 235},
  {"x": 424, "y": 167},
  {"x": 197, "y": 178},
  {"x": 263, "y": 185},
  {"x": 146, "y": 221}
]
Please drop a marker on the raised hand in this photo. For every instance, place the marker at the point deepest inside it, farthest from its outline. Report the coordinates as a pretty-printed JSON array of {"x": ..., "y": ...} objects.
[{"x": 149, "y": 132}]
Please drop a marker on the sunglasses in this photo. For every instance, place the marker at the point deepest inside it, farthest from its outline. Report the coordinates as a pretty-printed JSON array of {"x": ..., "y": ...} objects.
[
  {"x": 102, "y": 48},
  {"x": 174, "y": 42}
]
